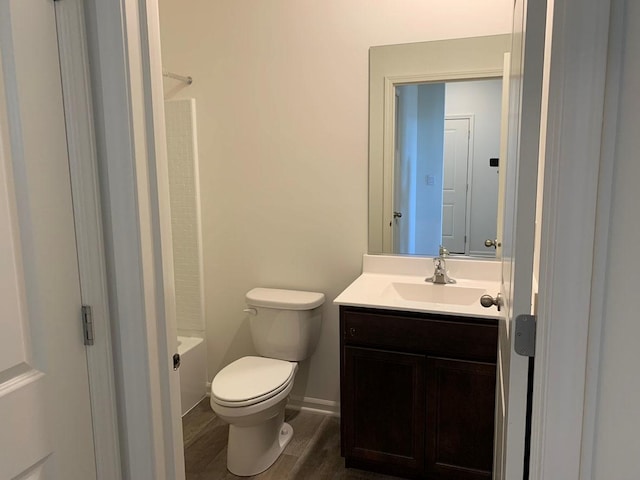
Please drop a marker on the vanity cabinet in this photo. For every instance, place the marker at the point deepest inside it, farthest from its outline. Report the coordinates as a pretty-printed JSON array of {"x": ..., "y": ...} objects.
[{"x": 418, "y": 393}]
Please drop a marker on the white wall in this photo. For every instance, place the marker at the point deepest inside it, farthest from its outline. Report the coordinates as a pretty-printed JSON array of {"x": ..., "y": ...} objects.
[
  {"x": 281, "y": 88},
  {"x": 618, "y": 418}
]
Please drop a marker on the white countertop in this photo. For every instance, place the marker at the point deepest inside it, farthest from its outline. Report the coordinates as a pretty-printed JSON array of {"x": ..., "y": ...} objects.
[{"x": 384, "y": 275}]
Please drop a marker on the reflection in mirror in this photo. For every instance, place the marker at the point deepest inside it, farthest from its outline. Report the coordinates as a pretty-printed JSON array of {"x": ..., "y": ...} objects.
[
  {"x": 445, "y": 177},
  {"x": 435, "y": 112}
]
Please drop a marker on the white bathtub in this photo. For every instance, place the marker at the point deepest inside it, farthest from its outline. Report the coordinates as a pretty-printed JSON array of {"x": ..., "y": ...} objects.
[{"x": 193, "y": 371}]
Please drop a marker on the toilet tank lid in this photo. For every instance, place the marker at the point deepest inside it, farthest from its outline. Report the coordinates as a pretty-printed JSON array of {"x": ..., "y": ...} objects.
[{"x": 284, "y": 299}]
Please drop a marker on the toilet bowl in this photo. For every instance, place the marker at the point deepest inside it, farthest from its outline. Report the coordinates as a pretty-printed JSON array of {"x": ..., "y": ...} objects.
[{"x": 251, "y": 393}]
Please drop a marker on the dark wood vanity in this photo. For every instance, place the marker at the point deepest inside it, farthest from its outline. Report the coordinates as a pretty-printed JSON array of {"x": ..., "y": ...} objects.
[{"x": 417, "y": 393}]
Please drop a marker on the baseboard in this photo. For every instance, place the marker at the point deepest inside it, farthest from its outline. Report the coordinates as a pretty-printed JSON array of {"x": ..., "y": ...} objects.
[{"x": 316, "y": 405}]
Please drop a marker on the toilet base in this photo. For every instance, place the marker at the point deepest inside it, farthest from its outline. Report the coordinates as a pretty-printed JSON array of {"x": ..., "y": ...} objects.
[{"x": 253, "y": 449}]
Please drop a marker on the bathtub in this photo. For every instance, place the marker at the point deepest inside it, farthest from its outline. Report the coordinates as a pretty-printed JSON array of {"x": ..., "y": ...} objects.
[{"x": 193, "y": 371}]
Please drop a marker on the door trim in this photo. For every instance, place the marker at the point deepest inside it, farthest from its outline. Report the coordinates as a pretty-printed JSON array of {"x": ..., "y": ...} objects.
[
  {"x": 553, "y": 396},
  {"x": 471, "y": 148},
  {"x": 577, "y": 196},
  {"x": 83, "y": 168},
  {"x": 125, "y": 50},
  {"x": 605, "y": 188}
]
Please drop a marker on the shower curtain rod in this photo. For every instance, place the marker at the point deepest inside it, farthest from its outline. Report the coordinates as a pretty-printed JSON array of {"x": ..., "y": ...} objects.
[{"x": 182, "y": 78}]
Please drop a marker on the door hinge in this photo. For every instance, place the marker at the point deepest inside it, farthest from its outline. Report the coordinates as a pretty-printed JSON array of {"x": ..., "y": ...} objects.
[
  {"x": 525, "y": 331},
  {"x": 87, "y": 325}
]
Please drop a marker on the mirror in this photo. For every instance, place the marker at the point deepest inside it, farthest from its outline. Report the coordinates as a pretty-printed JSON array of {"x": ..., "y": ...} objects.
[{"x": 434, "y": 144}]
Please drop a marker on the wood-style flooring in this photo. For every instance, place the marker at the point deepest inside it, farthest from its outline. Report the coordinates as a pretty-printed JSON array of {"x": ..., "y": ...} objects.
[{"x": 312, "y": 454}]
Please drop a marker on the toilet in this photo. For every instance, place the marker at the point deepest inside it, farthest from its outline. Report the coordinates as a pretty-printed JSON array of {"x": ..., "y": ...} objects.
[{"x": 251, "y": 393}]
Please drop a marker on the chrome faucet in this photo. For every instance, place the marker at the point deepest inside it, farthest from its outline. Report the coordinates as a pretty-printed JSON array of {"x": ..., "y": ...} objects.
[{"x": 440, "y": 274}]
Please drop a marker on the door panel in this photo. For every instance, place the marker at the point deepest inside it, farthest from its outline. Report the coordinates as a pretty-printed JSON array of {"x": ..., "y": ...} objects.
[
  {"x": 454, "y": 184},
  {"x": 404, "y": 182},
  {"x": 22, "y": 386},
  {"x": 45, "y": 416},
  {"x": 460, "y": 412},
  {"x": 525, "y": 90},
  {"x": 384, "y": 399}
]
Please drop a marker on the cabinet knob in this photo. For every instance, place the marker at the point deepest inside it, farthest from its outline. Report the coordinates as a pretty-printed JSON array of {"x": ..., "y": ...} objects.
[{"x": 352, "y": 331}]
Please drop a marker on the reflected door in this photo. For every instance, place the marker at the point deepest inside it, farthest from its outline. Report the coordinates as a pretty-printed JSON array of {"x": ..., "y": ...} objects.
[
  {"x": 417, "y": 175},
  {"x": 45, "y": 411},
  {"x": 403, "y": 229},
  {"x": 454, "y": 184}
]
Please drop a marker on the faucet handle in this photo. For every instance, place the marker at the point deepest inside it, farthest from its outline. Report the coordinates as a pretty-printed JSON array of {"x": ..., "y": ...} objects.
[{"x": 443, "y": 252}]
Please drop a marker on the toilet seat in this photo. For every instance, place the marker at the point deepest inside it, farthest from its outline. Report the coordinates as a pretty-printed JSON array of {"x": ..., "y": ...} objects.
[{"x": 250, "y": 380}]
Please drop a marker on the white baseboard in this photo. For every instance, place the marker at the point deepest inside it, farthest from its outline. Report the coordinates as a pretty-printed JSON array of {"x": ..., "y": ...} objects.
[{"x": 316, "y": 405}]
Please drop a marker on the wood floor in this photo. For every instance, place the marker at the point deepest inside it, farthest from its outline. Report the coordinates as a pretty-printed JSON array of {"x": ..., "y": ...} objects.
[{"x": 313, "y": 454}]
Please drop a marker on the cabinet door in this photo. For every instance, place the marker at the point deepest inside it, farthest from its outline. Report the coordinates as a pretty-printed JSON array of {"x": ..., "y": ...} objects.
[
  {"x": 384, "y": 399},
  {"x": 460, "y": 416}
]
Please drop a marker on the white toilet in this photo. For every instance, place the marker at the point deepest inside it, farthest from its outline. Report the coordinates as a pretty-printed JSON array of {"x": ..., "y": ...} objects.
[{"x": 251, "y": 393}]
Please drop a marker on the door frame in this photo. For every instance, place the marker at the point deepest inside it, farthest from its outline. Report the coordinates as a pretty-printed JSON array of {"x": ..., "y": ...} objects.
[
  {"x": 133, "y": 177},
  {"x": 576, "y": 199},
  {"x": 83, "y": 170}
]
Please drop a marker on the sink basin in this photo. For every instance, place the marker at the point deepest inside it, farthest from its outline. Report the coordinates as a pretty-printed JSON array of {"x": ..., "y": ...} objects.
[
  {"x": 397, "y": 283},
  {"x": 428, "y": 292}
]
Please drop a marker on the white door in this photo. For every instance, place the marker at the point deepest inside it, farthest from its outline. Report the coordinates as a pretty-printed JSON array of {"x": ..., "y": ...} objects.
[
  {"x": 518, "y": 235},
  {"x": 504, "y": 129},
  {"x": 454, "y": 184},
  {"x": 403, "y": 184},
  {"x": 45, "y": 416}
]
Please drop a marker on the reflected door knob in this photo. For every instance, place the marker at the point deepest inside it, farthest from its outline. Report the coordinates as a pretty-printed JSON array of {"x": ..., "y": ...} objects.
[
  {"x": 492, "y": 243},
  {"x": 488, "y": 301}
]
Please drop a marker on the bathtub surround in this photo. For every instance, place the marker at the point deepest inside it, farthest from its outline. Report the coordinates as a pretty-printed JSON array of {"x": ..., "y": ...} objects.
[
  {"x": 182, "y": 153},
  {"x": 193, "y": 371},
  {"x": 282, "y": 118}
]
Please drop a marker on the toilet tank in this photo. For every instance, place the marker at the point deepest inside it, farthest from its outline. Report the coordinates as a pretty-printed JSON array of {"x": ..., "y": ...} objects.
[{"x": 285, "y": 324}]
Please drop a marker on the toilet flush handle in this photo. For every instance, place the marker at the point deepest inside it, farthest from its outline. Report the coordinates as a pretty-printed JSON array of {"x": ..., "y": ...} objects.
[{"x": 250, "y": 311}]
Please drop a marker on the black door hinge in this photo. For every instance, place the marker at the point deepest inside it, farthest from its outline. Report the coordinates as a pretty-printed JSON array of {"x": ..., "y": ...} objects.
[{"x": 87, "y": 325}]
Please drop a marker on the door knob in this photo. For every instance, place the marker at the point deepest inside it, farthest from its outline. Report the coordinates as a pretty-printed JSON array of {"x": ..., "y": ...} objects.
[
  {"x": 488, "y": 301},
  {"x": 492, "y": 243},
  {"x": 397, "y": 214}
]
